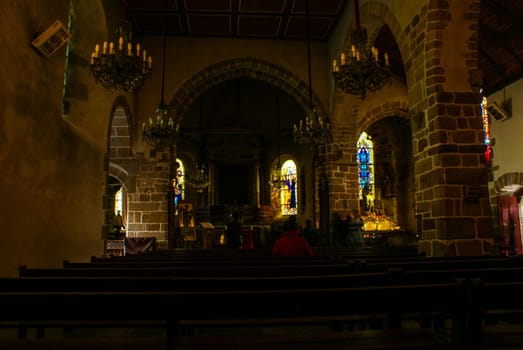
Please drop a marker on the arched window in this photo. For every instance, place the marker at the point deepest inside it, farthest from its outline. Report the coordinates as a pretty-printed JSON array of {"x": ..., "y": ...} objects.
[
  {"x": 365, "y": 159},
  {"x": 118, "y": 201},
  {"x": 289, "y": 188},
  {"x": 178, "y": 183}
]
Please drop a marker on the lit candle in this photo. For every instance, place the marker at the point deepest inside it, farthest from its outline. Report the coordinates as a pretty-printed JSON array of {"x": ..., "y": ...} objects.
[
  {"x": 353, "y": 49},
  {"x": 138, "y": 50},
  {"x": 386, "y": 59},
  {"x": 150, "y": 62},
  {"x": 92, "y": 58},
  {"x": 105, "y": 48},
  {"x": 342, "y": 59},
  {"x": 111, "y": 48},
  {"x": 144, "y": 55},
  {"x": 96, "y": 50},
  {"x": 129, "y": 49},
  {"x": 120, "y": 43},
  {"x": 334, "y": 64},
  {"x": 357, "y": 55},
  {"x": 376, "y": 53}
]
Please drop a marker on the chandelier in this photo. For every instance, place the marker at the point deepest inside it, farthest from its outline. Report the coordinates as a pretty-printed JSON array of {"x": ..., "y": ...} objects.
[
  {"x": 200, "y": 182},
  {"x": 316, "y": 129},
  {"x": 161, "y": 132},
  {"x": 118, "y": 64},
  {"x": 361, "y": 69}
]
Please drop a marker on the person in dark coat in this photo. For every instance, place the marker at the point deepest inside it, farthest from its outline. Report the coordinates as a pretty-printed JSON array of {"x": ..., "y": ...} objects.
[{"x": 290, "y": 242}]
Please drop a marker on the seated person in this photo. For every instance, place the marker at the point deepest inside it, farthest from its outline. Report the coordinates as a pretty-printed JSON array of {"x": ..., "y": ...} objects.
[{"x": 290, "y": 242}]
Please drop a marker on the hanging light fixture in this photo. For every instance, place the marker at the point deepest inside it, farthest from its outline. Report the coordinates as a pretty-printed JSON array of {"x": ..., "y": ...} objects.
[
  {"x": 276, "y": 180},
  {"x": 361, "y": 69},
  {"x": 161, "y": 132},
  {"x": 315, "y": 130},
  {"x": 200, "y": 181},
  {"x": 119, "y": 64}
]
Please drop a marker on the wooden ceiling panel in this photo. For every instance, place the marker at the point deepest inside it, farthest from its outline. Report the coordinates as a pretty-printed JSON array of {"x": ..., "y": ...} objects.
[
  {"x": 209, "y": 24},
  {"x": 208, "y": 5},
  {"x": 500, "y": 45},
  {"x": 259, "y": 26},
  {"x": 267, "y": 6}
]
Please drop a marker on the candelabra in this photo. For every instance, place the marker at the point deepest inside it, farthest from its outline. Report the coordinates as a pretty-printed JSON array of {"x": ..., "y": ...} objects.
[
  {"x": 314, "y": 131},
  {"x": 200, "y": 182},
  {"x": 160, "y": 132},
  {"x": 361, "y": 69},
  {"x": 120, "y": 65}
]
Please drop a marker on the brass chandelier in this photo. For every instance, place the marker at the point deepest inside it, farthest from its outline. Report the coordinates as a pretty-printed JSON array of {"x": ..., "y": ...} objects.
[
  {"x": 161, "y": 132},
  {"x": 200, "y": 181},
  {"x": 361, "y": 69},
  {"x": 315, "y": 130},
  {"x": 119, "y": 64}
]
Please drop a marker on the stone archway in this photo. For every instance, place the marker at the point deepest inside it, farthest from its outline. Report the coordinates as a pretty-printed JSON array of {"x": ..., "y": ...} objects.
[{"x": 243, "y": 67}]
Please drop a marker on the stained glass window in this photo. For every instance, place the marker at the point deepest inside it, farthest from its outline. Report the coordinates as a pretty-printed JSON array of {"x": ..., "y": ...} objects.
[
  {"x": 289, "y": 190},
  {"x": 486, "y": 131},
  {"x": 178, "y": 183},
  {"x": 365, "y": 159}
]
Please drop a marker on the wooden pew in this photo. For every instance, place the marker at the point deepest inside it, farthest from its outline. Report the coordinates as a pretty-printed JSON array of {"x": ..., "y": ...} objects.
[
  {"x": 176, "y": 312},
  {"x": 242, "y": 270},
  {"x": 496, "y": 314}
]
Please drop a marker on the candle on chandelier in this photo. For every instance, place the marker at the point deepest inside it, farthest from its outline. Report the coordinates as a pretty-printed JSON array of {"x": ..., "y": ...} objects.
[
  {"x": 150, "y": 62},
  {"x": 138, "y": 50},
  {"x": 386, "y": 59},
  {"x": 120, "y": 43},
  {"x": 96, "y": 50},
  {"x": 334, "y": 65},
  {"x": 111, "y": 48},
  {"x": 353, "y": 50},
  {"x": 105, "y": 48},
  {"x": 342, "y": 59}
]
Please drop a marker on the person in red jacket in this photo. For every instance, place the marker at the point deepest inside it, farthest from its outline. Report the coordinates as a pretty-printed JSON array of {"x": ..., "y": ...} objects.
[{"x": 290, "y": 242}]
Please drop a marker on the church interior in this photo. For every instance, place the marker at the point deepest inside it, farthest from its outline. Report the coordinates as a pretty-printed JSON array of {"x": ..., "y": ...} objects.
[{"x": 134, "y": 126}]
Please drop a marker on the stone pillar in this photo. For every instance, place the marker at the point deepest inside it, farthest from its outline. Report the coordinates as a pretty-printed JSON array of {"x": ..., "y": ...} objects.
[
  {"x": 452, "y": 200},
  {"x": 148, "y": 206}
]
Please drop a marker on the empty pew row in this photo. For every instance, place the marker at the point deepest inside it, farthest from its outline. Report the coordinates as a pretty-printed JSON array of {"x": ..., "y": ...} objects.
[
  {"x": 175, "y": 312},
  {"x": 129, "y": 282},
  {"x": 363, "y": 264}
]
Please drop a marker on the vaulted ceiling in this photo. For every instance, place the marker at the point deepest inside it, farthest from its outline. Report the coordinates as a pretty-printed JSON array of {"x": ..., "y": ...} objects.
[{"x": 500, "y": 50}]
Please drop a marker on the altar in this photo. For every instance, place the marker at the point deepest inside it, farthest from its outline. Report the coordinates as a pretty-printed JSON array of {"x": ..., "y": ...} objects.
[{"x": 383, "y": 230}]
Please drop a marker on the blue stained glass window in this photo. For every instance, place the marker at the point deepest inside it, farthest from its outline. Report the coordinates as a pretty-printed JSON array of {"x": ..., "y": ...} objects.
[{"x": 365, "y": 159}]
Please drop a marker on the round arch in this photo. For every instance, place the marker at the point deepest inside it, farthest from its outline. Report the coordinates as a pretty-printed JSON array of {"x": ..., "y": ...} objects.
[{"x": 249, "y": 67}]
